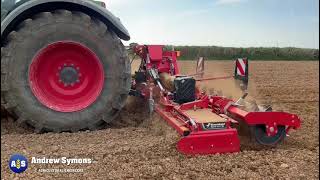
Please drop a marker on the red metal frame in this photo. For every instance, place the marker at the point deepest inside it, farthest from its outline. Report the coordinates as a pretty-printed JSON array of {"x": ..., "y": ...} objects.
[
  {"x": 200, "y": 141},
  {"x": 196, "y": 139},
  {"x": 214, "y": 78},
  {"x": 210, "y": 142},
  {"x": 158, "y": 58},
  {"x": 270, "y": 119},
  {"x": 51, "y": 91}
]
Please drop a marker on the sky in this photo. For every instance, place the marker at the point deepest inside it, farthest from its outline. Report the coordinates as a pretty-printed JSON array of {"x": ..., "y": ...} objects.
[{"x": 229, "y": 23}]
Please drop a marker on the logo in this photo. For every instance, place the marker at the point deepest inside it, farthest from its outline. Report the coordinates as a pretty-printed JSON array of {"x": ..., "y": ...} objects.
[
  {"x": 18, "y": 163},
  {"x": 214, "y": 126}
]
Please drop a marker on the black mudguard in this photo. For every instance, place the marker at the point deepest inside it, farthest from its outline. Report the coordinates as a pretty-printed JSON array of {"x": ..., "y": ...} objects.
[{"x": 27, "y": 8}]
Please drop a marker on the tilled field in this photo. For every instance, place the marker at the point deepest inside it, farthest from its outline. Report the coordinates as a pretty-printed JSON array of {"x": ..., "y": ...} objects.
[{"x": 140, "y": 147}]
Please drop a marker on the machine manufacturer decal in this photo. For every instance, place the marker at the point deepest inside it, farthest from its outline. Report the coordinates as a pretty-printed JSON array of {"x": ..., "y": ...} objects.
[{"x": 213, "y": 126}]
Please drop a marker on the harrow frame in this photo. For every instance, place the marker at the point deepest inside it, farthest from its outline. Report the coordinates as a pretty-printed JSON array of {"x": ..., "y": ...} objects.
[
  {"x": 200, "y": 135},
  {"x": 198, "y": 140}
]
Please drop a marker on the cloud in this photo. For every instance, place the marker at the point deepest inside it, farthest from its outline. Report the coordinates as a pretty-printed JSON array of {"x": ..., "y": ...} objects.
[
  {"x": 228, "y": 2},
  {"x": 123, "y": 3},
  {"x": 190, "y": 13}
]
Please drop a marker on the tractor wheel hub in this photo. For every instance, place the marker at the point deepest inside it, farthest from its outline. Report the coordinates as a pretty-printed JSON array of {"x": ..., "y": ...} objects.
[
  {"x": 66, "y": 76},
  {"x": 69, "y": 75}
]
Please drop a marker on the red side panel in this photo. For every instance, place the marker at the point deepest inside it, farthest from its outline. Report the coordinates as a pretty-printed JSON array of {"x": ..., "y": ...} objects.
[
  {"x": 155, "y": 52},
  {"x": 173, "y": 122},
  {"x": 280, "y": 118},
  {"x": 210, "y": 142}
]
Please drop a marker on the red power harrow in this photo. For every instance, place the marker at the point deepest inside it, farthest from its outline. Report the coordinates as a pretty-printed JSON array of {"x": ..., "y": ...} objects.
[{"x": 207, "y": 123}]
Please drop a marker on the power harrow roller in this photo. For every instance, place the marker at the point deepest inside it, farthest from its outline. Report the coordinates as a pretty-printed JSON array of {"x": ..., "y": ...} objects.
[{"x": 207, "y": 123}]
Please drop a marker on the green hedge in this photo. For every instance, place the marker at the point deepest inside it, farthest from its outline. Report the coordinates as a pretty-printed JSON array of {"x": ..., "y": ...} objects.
[{"x": 259, "y": 53}]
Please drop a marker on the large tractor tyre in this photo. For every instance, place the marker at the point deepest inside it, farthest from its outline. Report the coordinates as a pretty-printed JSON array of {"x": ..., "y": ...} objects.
[{"x": 64, "y": 71}]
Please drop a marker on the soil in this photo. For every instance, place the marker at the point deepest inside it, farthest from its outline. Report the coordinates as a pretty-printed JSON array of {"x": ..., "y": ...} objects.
[{"x": 139, "y": 146}]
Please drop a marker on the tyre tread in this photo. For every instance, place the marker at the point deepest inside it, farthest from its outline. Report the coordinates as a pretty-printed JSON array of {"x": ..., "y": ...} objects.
[{"x": 16, "y": 37}]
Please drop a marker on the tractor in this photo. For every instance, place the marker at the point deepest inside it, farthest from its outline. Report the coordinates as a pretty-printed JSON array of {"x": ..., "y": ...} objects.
[
  {"x": 64, "y": 68},
  {"x": 63, "y": 65}
]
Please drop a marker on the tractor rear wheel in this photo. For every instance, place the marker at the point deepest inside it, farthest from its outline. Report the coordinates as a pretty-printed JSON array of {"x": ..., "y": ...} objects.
[{"x": 64, "y": 71}]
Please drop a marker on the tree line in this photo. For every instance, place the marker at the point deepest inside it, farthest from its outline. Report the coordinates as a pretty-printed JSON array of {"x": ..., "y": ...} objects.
[{"x": 253, "y": 53}]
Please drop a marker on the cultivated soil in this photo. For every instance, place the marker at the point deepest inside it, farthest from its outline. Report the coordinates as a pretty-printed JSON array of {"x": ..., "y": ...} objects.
[{"x": 138, "y": 146}]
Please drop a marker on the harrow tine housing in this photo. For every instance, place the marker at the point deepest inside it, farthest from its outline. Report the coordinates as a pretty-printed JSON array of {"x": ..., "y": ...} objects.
[{"x": 211, "y": 142}]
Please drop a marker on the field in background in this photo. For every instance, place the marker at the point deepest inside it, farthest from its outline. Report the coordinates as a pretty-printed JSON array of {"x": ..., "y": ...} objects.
[
  {"x": 253, "y": 53},
  {"x": 142, "y": 148}
]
